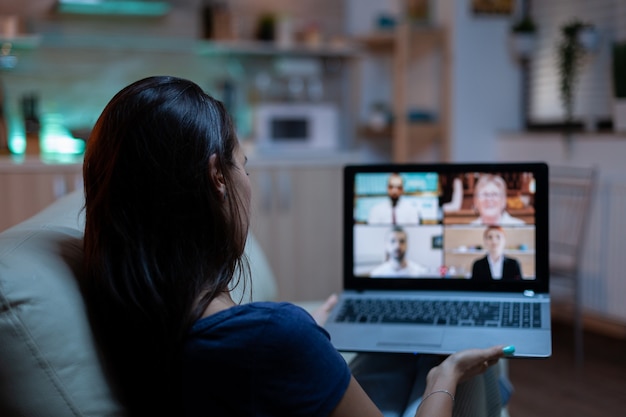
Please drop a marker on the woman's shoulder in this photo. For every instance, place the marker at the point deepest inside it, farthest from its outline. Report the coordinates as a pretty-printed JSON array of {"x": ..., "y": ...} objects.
[
  {"x": 266, "y": 328},
  {"x": 508, "y": 220},
  {"x": 509, "y": 260}
]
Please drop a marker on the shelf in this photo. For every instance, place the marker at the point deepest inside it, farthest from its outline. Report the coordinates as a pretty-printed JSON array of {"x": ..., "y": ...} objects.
[
  {"x": 119, "y": 43},
  {"x": 424, "y": 39},
  {"x": 378, "y": 40},
  {"x": 187, "y": 46},
  {"x": 423, "y": 131},
  {"x": 419, "y": 37},
  {"x": 416, "y": 132},
  {"x": 370, "y": 133},
  {"x": 405, "y": 44},
  {"x": 23, "y": 42},
  {"x": 259, "y": 48}
]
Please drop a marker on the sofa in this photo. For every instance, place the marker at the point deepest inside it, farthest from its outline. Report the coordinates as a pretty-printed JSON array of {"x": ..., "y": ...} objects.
[{"x": 49, "y": 364}]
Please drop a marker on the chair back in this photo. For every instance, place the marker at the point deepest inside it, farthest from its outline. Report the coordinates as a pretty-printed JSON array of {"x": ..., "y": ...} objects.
[{"x": 570, "y": 193}]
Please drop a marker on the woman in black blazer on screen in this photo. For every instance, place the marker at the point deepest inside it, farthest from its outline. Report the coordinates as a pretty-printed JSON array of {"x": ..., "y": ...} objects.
[{"x": 495, "y": 266}]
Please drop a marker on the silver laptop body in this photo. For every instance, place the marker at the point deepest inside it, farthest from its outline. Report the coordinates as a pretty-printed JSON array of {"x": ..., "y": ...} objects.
[{"x": 438, "y": 274}]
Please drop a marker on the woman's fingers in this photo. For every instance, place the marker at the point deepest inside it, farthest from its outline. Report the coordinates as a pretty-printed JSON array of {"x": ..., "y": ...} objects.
[
  {"x": 321, "y": 313},
  {"x": 468, "y": 363}
]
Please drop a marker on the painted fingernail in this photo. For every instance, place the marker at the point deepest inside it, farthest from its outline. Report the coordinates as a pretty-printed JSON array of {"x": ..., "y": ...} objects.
[{"x": 508, "y": 350}]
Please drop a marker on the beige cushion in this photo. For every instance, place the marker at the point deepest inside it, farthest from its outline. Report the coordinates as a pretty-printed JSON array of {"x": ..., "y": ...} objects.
[{"x": 48, "y": 361}]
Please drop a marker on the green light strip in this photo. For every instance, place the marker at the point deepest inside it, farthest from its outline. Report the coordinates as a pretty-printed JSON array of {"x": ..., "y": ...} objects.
[{"x": 127, "y": 8}]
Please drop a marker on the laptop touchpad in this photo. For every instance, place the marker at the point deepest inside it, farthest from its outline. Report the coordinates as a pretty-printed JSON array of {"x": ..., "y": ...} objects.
[{"x": 411, "y": 337}]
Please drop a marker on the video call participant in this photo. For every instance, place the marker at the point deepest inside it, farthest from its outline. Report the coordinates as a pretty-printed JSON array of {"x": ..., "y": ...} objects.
[
  {"x": 490, "y": 202},
  {"x": 395, "y": 209},
  {"x": 396, "y": 264},
  {"x": 496, "y": 266}
]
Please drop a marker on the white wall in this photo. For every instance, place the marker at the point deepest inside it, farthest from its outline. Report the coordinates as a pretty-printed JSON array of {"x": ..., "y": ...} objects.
[{"x": 486, "y": 84}]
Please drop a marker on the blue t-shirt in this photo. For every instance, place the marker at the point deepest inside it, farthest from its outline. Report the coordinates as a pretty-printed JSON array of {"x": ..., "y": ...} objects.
[{"x": 261, "y": 359}]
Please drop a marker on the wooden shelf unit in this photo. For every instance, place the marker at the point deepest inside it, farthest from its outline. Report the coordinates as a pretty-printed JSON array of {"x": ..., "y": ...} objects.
[{"x": 407, "y": 43}]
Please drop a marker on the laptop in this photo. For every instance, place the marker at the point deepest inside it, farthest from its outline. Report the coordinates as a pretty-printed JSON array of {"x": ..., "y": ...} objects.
[{"x": 444, "y": 257}]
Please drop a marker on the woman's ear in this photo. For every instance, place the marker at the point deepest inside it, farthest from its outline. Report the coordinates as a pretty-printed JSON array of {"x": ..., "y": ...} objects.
[{"x": 217, "y": 178}]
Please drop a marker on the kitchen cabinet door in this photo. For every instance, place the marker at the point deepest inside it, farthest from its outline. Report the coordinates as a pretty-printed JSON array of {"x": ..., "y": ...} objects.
[
  {"x": 27, "y": 188},
  {"x": 296, "y": 217}
]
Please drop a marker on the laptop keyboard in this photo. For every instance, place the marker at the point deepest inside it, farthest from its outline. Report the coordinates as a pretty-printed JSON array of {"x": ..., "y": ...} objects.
[{"x": 442, "y": 312}]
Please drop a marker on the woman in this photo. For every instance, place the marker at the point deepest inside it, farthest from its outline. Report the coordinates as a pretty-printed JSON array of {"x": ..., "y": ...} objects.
[
  {"x": 490, "y": 202},
  {"x": 495, "y": 266},
  {"x": 167, "y": 211}
]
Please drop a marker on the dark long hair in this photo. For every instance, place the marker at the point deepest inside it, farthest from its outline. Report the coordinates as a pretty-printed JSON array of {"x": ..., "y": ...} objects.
[{"x": 159, "y": 241}]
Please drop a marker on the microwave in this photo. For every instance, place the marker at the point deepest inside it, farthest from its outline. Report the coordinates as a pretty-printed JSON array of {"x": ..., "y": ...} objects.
[{"x": 296, "y": 126}]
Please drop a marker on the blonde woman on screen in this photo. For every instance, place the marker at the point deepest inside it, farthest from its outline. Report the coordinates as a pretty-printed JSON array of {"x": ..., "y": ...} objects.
[{"x": 490, "y": 202}]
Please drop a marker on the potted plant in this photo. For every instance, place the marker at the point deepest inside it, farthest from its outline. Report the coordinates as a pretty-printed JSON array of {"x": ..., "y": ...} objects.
[
  {"x": 570, "y": 54},
  {"x": 523, "y": 37},
  {"x": 619, "y": 86}
]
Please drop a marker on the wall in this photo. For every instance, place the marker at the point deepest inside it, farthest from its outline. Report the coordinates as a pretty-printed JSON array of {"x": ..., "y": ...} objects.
[{"x": 486, "y": 95}]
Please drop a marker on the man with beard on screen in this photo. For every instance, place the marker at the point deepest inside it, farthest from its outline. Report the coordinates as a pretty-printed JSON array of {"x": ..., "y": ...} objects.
[
  {"x": 395, "y": 209},
  {"x": 396, "y": 264}
]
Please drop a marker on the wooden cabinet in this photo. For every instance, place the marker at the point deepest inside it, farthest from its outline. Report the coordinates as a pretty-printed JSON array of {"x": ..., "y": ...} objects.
[
  {"x": 407, "y": 44},
  {"x": 29, "y": 185},
  {"x": 296, "y": 217}
]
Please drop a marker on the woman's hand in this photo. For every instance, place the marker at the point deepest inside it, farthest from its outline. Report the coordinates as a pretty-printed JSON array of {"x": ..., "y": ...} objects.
[
  {"x": 456, "y": 368},
  {"x": 321, "y": 313},
  {"x": 466, "y": 364}
]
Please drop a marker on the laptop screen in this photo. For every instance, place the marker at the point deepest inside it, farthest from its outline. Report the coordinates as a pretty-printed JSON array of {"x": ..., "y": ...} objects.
[{"x": 446, "y": 226}]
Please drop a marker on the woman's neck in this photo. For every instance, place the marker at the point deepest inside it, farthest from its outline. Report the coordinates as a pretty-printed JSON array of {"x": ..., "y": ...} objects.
[
  {"x": 495, "y": 256},
  {"x": 221, "y": 302}
]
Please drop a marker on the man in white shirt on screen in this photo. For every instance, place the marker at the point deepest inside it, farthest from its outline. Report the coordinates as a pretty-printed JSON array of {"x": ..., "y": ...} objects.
[
  {"x": 395, "y": 209},
  {"x": 396, "y": 264}
]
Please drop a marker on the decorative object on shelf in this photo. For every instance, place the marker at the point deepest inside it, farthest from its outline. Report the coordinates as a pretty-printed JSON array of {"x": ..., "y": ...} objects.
[
  {"x": 312, "y": 35},
  {"x": 570, "y": 55},
  {"x": 417, "y": 115},
  {"x": 8, "y": 61},
  {"x": 13, "y": 39},
  {"x": 619, "y": 86},
  {"x": 266, "y": 28},
  {"x": 418, "y": 11},
  {"x": 217, "y": 20},
  {"x": 4, "y": 129},
  {"x": 379, "y": 117},
  {"x": 386, "y": 21},
  {"x": 523, "y": 37},
  {"x": 284, "y": 29}
]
